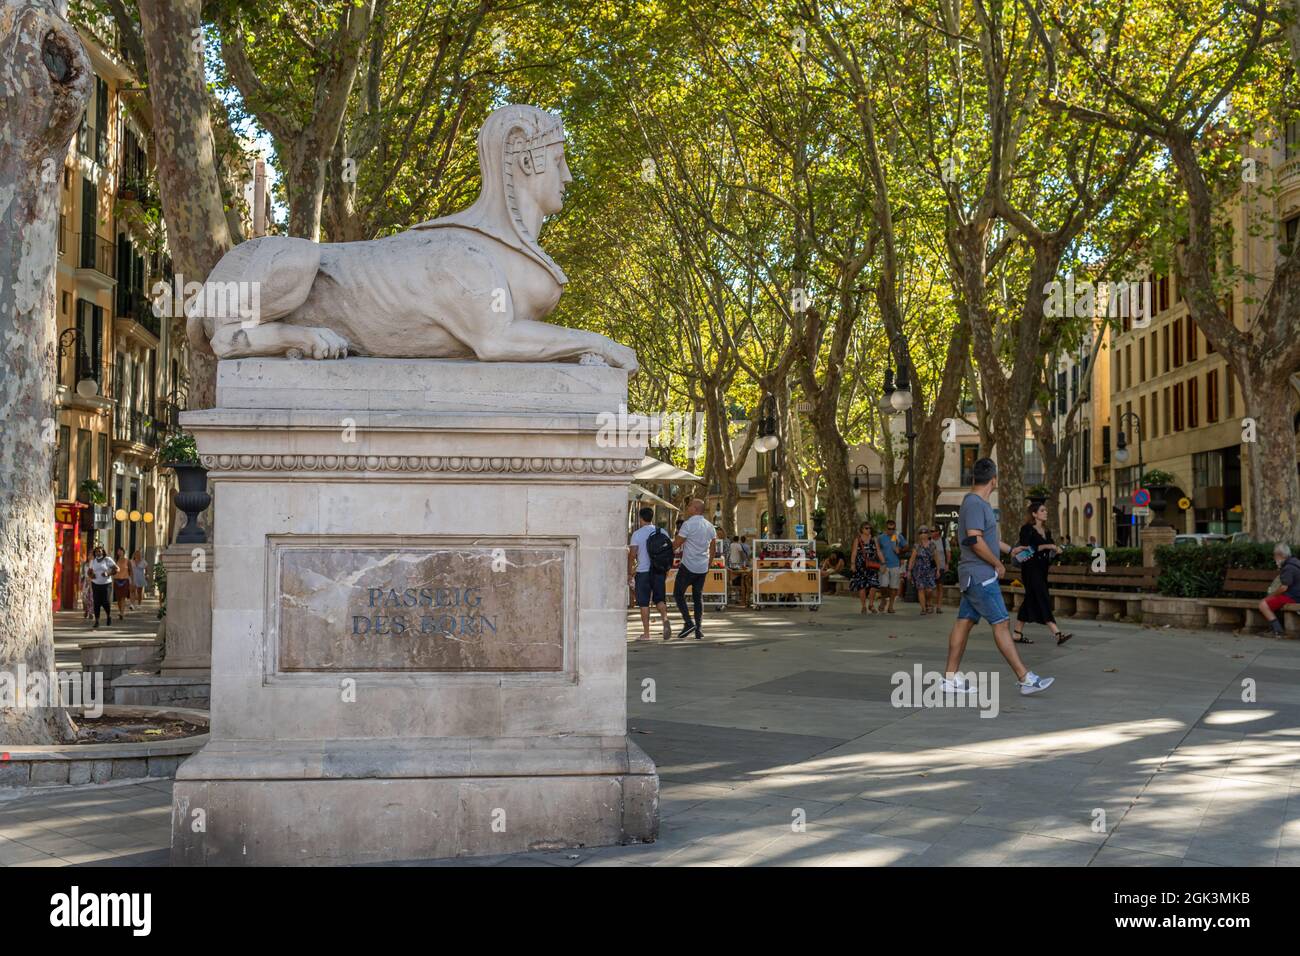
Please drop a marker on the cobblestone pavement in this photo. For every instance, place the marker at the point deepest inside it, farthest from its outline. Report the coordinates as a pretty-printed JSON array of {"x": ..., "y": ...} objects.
[{"x": 777, "y": 744}]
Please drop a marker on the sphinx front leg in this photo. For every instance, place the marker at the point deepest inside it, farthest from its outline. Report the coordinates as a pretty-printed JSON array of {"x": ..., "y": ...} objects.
[
  {"x": 529, "y": 341},
  {"x": 272, "y": 339}
]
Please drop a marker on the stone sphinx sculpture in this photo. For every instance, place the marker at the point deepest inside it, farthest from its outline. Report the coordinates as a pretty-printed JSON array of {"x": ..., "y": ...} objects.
[{"x": 475, "y": 284}]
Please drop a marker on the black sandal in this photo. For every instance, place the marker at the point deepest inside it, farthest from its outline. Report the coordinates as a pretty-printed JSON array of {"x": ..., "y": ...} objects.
[
  {"x": 1019, "y": 638},
  {"x": 1062, "y": 637}
]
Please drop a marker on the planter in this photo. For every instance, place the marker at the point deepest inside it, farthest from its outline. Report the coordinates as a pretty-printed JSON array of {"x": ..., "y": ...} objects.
[
  {"x": 61, "y": 765},
  {"x": 1161, "y": 495},
  {"x": 192, "y": 498}
]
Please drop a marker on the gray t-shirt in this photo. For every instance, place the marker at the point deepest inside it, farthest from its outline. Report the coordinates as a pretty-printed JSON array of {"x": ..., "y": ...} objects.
[{"x": 976, "y": 514}]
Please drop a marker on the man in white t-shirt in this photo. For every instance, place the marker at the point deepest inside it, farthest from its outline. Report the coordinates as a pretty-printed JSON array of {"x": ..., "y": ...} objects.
[
  {"x": 695, "y": 537},
  {"x": 648, "y": 582},
  {"x": 736, "y": 556}
]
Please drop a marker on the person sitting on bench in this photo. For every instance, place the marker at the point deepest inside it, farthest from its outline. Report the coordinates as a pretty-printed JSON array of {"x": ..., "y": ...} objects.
[{"x": 1287, "y": 590}]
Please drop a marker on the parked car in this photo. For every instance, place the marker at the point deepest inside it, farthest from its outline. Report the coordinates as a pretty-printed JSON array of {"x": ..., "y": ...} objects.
[{"x": 1197, "y": 540}]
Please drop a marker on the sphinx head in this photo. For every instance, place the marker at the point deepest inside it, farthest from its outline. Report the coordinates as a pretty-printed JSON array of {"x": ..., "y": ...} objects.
[{"x": 522, "y": 149}]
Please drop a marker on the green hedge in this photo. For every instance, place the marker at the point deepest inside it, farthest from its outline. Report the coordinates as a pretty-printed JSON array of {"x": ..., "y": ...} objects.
[
  {"x": 1115, "y": 557},
  {"x": 1197, "y": 572}
]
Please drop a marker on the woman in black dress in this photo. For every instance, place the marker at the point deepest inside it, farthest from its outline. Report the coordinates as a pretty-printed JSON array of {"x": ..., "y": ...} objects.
[
  {"x": 1036, "y": 544},
  {"x": 866, "y": 568}
]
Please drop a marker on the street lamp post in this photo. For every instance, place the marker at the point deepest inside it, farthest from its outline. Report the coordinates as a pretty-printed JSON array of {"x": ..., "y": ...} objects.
[
  {"x": 766, "y": 442},
  {"x": 1122, "y": 454},
  {"x": 858, "y": 474},
  {"x": 900, "y": 399}
]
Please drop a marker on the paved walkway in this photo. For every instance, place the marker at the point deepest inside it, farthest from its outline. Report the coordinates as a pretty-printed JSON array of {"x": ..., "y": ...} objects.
[
  {"x": 777, "y": 744},
  {"x": 71, "y": 628}
]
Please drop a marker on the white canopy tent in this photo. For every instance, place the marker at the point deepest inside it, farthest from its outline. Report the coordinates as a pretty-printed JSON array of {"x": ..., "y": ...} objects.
[
  {"x": 644, "y": 497},
  {"x": 653, "y": 470}
]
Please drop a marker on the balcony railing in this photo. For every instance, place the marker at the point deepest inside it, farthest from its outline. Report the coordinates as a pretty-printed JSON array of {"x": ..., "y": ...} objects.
[
  {"x": 1288, "y": 170},
  {"x": 134, "y": 305},
  {"x": 137, "y": 189},
  {"x": 137, "y": 427},
  {"x": 97, "y": 253},
  {"x": 168, "y": 419}
]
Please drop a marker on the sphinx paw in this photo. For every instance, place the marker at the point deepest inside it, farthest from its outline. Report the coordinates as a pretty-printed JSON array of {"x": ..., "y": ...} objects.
[{"x": 323, "y": 344}]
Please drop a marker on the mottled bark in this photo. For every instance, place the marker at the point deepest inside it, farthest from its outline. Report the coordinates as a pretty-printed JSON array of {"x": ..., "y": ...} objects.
[
  {"x": 198, "y": 234},
  {"x": 1270, "y": 399},
  {"x": 1264, "y": 355},
  {"x": 45, "y": 81},
  {"x": 930, "y": 446}
]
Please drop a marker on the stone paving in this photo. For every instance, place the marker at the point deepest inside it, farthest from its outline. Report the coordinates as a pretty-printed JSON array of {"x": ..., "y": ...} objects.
[
  {"x": 71, "y": 628},
  {"x": 777, "y": 744}
]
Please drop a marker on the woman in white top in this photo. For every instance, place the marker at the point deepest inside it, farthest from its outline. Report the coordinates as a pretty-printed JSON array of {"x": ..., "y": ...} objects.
[{"x": 100, "y": 569}]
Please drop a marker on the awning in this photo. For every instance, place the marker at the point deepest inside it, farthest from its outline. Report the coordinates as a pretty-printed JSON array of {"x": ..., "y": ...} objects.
[
  {"x": 654, "y": 470},
  {"x": 636, "y": 493}
]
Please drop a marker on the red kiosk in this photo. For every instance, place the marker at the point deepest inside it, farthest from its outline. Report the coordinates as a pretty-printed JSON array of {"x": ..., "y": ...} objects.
[{"x": 69, "y": 554}]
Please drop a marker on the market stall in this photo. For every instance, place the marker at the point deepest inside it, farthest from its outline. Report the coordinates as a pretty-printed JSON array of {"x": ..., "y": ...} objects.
[
  {"x": 715, "y": 584},
  {"x": 786, "y": 573}
]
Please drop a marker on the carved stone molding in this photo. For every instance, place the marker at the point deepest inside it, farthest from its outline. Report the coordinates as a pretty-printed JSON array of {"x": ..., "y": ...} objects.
[{"x": 411, "y": 464}]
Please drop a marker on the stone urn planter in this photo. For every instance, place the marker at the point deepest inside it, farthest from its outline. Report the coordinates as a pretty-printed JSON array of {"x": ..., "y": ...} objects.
[
  {"x": 1161, "y": 496},
  {"x": 192, "y": 498}
]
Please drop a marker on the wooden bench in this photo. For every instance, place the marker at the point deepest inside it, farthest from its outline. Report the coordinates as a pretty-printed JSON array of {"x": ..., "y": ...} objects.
[
  {"x": 1115, "y": 593},
  {"x": 1079, "y": 592},
  {"x": 1243, "y": 611}
]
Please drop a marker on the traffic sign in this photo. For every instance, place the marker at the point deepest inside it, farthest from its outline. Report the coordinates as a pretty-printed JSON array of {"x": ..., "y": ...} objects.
[
  {"x": 1141, "y": 497},
  {"x": 1141, "y": 511}
]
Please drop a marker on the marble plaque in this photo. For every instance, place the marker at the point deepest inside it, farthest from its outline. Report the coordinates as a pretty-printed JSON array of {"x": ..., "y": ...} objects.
[{"x": 452, "y": 608}]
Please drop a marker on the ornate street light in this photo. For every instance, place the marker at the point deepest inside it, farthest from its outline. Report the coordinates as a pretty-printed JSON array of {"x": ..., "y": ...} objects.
[
  {"x": 901, "y": 397},
  {"x": 767, "y": 440},
  {"x": 86, "y": 387}
]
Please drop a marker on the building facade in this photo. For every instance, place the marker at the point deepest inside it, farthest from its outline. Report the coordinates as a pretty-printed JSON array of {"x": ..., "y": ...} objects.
[{"x": 119, "y": 372}]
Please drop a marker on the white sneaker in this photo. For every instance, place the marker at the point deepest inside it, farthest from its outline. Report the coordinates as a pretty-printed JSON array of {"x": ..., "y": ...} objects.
[
  {"x": 957, "y": 685},
  {"x": 1032, "y": 683}
]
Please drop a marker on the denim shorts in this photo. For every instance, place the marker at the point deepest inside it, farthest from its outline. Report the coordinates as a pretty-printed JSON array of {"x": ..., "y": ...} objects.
[
  {"x": 650, "y": 588},
  {"x": 983, "y": 601}
]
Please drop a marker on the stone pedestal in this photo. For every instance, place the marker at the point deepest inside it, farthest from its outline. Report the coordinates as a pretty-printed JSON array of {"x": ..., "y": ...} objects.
[
  {"x": 418, "y": 615},
  {"x": 189, "y": 610},
  {"x": 1155, "y": 536}
]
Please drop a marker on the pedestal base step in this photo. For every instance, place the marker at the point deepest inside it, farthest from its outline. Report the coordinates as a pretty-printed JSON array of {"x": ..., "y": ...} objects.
[{"x": 330, "y": 815}]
